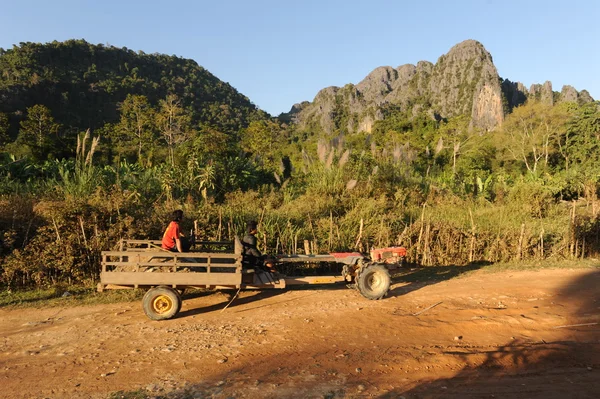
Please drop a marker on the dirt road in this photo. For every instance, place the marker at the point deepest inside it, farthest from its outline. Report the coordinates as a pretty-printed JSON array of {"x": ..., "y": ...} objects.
[{"x": 501, "y": 335}]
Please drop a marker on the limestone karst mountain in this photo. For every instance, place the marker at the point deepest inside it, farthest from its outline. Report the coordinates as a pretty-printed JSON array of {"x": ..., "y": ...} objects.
[{"x": 462, "y": 82}]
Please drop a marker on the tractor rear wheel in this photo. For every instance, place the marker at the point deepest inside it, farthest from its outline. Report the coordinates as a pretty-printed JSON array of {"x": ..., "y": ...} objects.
[
  {"x": 373, "y": 281},
  {"x": 161, "y": 303}
]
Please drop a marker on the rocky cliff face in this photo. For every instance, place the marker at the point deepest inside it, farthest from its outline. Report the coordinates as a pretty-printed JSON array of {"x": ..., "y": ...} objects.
[
  {"x": 462, "y": 82},
  {"x": 465, "y": 81}
]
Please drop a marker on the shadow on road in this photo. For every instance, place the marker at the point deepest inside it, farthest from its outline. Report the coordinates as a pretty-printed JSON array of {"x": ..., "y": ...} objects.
[
  {"x": 417, "y": 278},
  {"x": 566, "y": 367},
  {"x": 412, "y": 280},
  {"x": 229, "y": 297}
]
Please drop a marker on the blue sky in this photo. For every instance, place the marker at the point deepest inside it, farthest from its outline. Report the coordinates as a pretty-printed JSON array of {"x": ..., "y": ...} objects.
[{"x": 282, "y": 52}]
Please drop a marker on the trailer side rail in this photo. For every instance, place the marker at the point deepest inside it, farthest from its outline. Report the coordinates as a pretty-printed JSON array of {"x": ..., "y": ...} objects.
[{"x": 134, "y": 269}]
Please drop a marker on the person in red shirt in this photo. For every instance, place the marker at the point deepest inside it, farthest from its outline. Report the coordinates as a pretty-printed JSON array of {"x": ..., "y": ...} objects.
[{"x": 173, "y": 237}]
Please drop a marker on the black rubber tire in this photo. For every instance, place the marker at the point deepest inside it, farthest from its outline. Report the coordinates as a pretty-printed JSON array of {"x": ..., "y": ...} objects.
[
  {"x": 373, "y": 281},
  {"x": 180, "y": 304},
  {"x": 161, "y": 303}
]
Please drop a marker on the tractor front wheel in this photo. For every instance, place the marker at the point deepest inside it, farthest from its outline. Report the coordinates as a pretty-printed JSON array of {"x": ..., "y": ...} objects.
[{"x": 373, "y": 281}]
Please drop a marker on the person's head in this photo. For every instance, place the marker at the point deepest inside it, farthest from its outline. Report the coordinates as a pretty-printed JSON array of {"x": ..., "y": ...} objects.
[
  {"x": 177, "y": 215},
  {"x": 251, "y": 227}
]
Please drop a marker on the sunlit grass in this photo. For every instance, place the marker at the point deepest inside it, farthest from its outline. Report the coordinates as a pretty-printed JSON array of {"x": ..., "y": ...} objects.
[{"x": 66, "y": 296}]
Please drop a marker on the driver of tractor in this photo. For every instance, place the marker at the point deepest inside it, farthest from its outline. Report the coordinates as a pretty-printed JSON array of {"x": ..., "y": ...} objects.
[{"x": 252, "y": 257}]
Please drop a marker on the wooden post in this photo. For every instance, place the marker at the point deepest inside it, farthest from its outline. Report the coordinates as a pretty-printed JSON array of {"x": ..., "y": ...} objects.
[
  {"x": 426, "y": 258},
  {"x": 572, "y": 243},
  {"x": 295, "y": 243},
  {"x": 306, "y": 247},
  {"x": 420, "y": 234},
  {"x": 542, "y": 243},
  {"x": 520, "y": 247},
  {"x": 220, "y": 225},
  {"x": 330, "y": 230},
  {"x": 358, "y": 244},
  {"x": 472, "y": 245}
]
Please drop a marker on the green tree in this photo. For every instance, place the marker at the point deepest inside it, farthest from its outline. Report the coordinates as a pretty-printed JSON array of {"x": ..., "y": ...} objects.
[
  {"x": 212, "y": 144},
  {"x": 529, "y": 132},
  {"x": 136, "y": 126},
  {"x": 455, "y": 136},
  {"x": 263, "y": 139},
  {"x": 39, "y": 131},
  {"x": 579, "y": 143},
  {"x": 4, "y": 126},
  {"x": 173, "y": 123}
]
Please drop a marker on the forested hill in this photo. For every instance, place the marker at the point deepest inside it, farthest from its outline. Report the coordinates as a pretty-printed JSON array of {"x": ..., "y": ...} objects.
[{"x": 81, "y": 85}]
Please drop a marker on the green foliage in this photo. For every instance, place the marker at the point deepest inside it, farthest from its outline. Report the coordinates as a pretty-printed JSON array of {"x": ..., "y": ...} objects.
[
  {"x": 4, "y": 126},
  {"x": 173, "y": 122},
  {"x": 167, "y": 134},
  {"x": 263, "y": 139},
  {"x": 136, "y": 130},
  {"x": 91, "y": 86},
  {"x": 39, "y": 132},
  {"x": 529, "y": 133}
]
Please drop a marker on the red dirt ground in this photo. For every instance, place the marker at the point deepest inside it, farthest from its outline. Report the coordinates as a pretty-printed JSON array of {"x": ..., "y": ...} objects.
[{"x": 494, "y": 335}]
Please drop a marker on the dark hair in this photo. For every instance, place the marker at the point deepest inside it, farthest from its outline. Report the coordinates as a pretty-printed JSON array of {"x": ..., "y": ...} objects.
[
  {"x": 177, "y": 215},
  {"x": 251, "y": 225}
]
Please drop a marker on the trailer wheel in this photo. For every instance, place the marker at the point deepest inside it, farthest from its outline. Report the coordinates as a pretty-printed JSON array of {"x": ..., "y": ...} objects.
[
  {"x": 373, "y": 281},
  {"x": 161, "y": 303}
]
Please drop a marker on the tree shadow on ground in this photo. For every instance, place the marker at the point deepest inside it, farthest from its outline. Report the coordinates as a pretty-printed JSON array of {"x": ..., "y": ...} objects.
[
  {"x": 253, "y": 296},
  {"x": 565, "y": 367},
  {"x": 413, "y": 278},
  {"x": 416, "y": 278},
  {"x": 229, "y": 298}
]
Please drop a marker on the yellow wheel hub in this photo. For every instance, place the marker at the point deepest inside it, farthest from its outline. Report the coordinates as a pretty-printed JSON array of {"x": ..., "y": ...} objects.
[{"x": 162, "y": 304}]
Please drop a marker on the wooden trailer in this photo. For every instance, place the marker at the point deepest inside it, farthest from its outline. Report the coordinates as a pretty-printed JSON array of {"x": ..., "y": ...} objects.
[{"x": 144, "y": 264}]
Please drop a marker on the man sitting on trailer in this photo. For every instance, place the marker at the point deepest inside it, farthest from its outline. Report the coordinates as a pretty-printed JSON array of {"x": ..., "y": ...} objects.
[{"x": 173, "y": 239}]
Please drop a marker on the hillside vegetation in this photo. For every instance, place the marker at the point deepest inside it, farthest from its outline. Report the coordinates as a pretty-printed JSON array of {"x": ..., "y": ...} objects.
[{"x": 99, "y": 144}]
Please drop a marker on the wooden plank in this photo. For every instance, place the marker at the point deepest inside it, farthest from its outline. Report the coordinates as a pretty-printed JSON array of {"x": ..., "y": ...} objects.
[
  {"x": 172, "y": 255},
  {"x": 313, "y": 280},
  {"x": 171, "y": 263},
  {"x": 146, "y": 242},
  {"x": 158, "y": 278},
  {"x": 306, "y": 258},
  {"x": 280, "y": 285}
]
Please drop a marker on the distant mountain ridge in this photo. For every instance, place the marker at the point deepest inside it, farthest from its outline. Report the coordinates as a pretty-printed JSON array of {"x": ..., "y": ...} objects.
[
  {"x": 462, "y": 82},
  {"x": 84, "y": 84}
]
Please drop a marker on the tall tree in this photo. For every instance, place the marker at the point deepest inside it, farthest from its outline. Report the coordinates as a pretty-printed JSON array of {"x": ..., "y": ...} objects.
[
  {"x": 263, "y": 139},
  {"x": 456, "y": 136},
  {"x": 137, "y": 123},
  {"x": 531, "y": 130},
  {"x": 39, "y": 131},
  {"x": 579, "y": 143},
  {"x": 4, "y": 126},
  {"x": 173, "y": 123}
]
